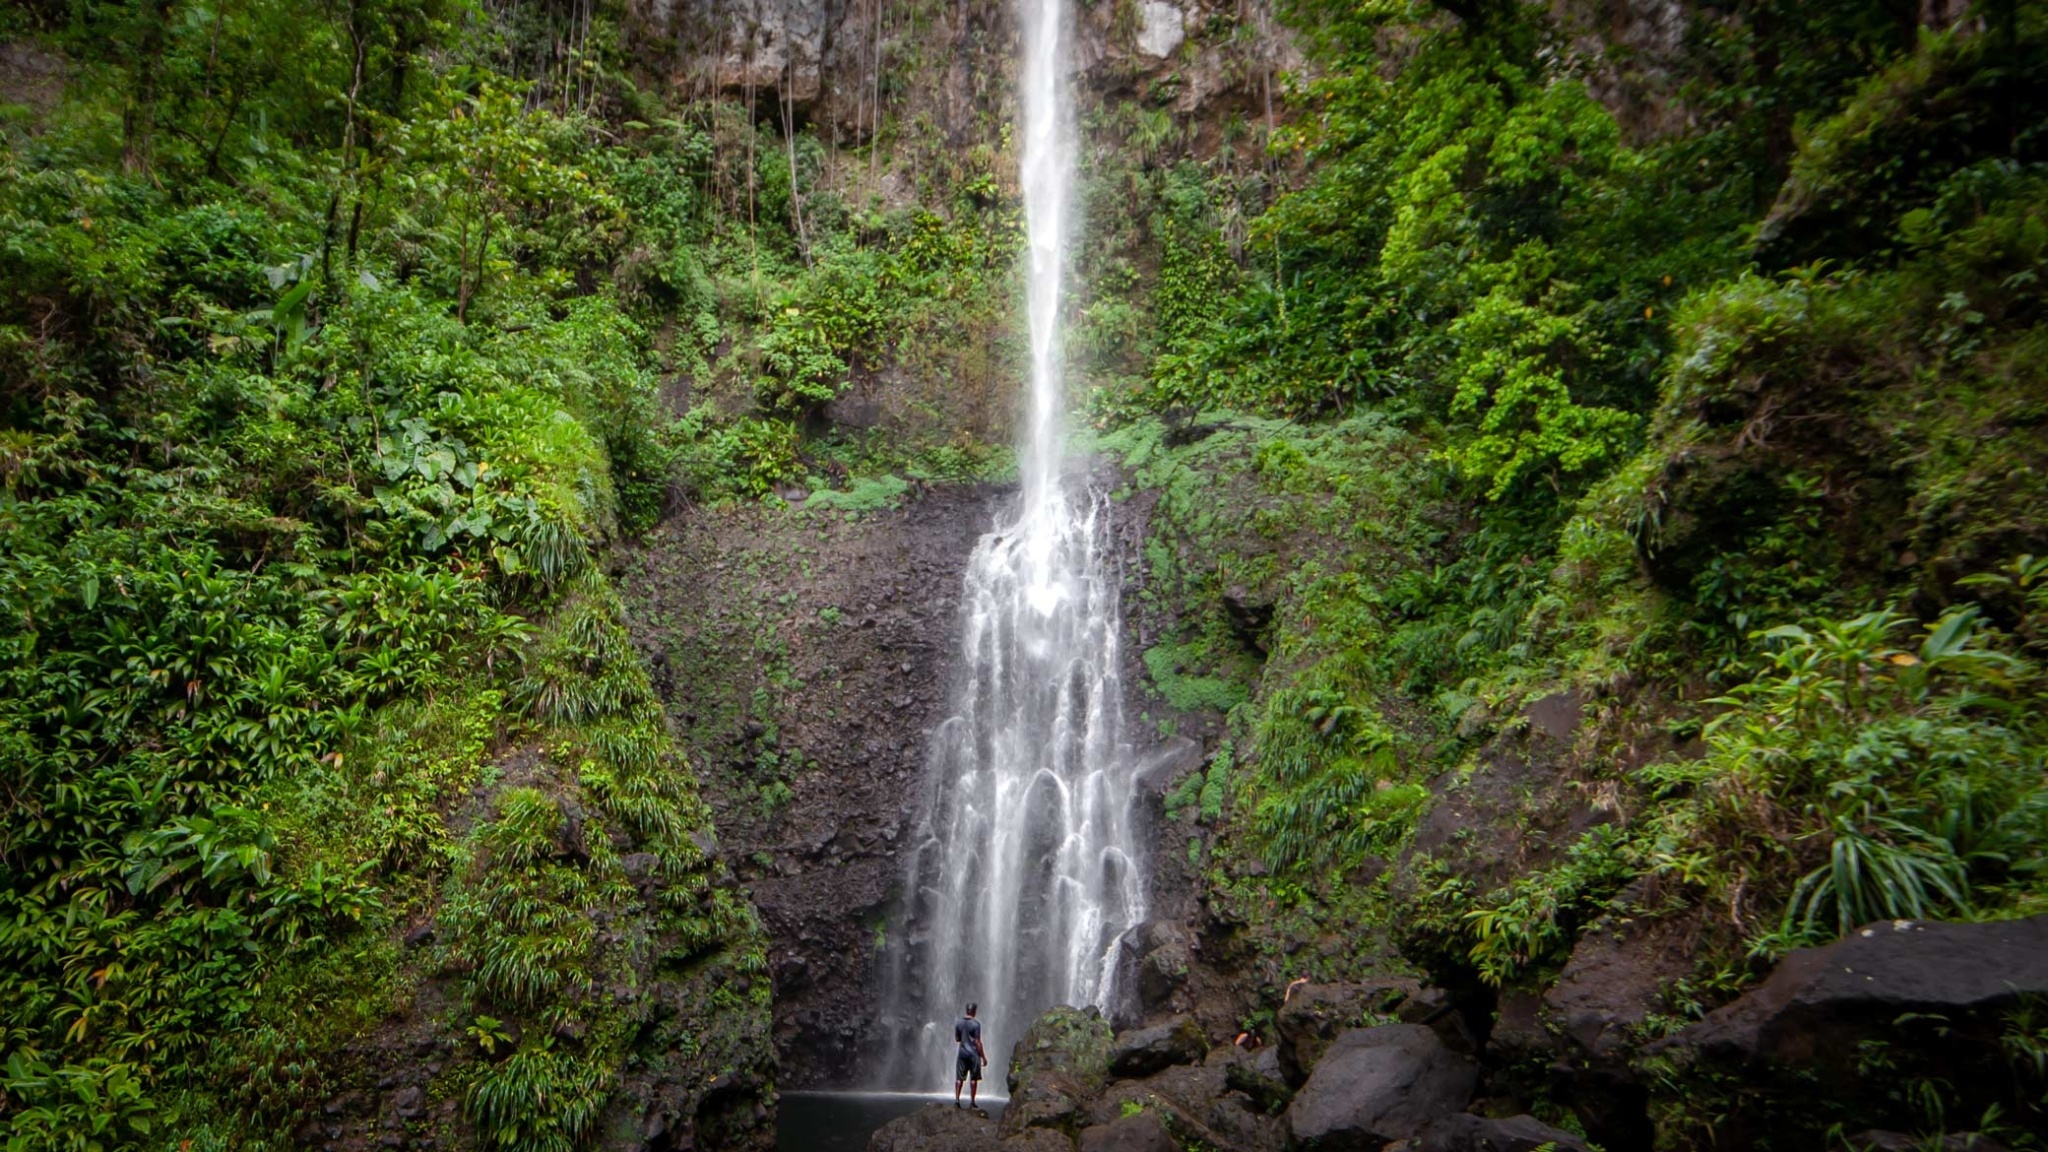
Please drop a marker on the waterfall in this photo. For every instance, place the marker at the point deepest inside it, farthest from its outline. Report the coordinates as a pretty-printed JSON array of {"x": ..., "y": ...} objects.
[{"x": 1023, "y": 872}]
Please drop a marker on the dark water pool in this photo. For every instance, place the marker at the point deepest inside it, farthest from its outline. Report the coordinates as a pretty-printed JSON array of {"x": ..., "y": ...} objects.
[{"x": 843, "y": 1121}]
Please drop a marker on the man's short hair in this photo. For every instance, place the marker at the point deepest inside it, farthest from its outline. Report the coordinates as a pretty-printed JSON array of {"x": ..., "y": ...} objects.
[{"x": 971, "y": 1008}]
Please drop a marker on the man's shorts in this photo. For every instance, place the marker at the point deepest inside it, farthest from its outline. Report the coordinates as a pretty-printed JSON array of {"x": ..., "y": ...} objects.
[{"x": 966, "y": 1067}]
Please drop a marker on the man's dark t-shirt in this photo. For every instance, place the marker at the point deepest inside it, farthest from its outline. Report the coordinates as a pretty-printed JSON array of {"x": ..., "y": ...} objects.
[{"x": 967, "y": 1062}]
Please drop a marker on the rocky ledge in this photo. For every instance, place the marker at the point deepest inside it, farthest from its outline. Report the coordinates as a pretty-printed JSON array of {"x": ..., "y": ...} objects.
[
  {"x": 1077, "y": 1087},
  {"x": 1392, "y": 1066}
]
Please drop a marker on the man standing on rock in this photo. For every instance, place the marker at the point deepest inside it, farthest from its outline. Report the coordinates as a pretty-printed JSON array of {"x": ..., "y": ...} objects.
[{"x": 967, "y": 1065}]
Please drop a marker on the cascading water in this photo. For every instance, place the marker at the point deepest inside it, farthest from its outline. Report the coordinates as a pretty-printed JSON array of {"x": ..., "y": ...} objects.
[{"x": 1023, "y": 870}]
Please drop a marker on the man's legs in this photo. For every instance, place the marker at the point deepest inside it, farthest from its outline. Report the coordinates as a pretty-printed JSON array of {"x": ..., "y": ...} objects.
[
  {"x": 956, "y": 1092},
  {"x": 974, "y": 1091}
]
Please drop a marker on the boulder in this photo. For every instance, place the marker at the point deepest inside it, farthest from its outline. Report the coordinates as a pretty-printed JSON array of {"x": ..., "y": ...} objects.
[
  {"x": 1239, "y": 1126},
  {"x": 1614, "y": 980},
  {"x": 1828, "y": 1039},
  {"x": 1037, "y": 1140},
  {"x": 1061, "y": 1061},
  {"x": 1518, "y": 1035},
  {"x": 1143, "y": 1051},
  {"x": 1196, "y": 1104},
  {"x": 1162, "y": 973},
  {"x": 1464, "y": 1132},
  {"x": 1156, "y": 954},
  {"x": 1141, "y": 1132},
  {"x": 1820, "y": 1003},
  {"x": 935, "y": 1128},
  {"x": 1258, "y": 1076},
  {"x": 1315, "y": 1014},
  {"x": 1377, "y": 1085}
]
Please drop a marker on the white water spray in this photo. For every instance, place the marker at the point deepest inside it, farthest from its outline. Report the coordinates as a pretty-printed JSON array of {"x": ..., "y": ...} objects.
[{"x": 1023, "y": 870}]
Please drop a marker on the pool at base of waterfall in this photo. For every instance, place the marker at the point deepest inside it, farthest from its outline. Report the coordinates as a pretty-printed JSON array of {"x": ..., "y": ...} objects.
[{"x": 843, "y": 1121}]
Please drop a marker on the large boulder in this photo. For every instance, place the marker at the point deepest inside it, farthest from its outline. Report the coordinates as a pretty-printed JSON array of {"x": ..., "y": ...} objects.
[
  {"x": 1160, "y": 952},
  {"x": 1036, "y": 1140},
  {"x": 1258, "y": 1076},
  {"x": 1061, "y": 1061},
  {"x": 1315, "y": 1014},
  {"x": 1197, "y": 1103},
  {"x": 1141, "y": 1132},
  {"x": 1464, "y": 1132},
  {"x": 1143, "y": 1051},
  {"x": 1615, "y": 980},
  {"x": 1594, "y": 1016},
  {"x": 1377, "y": 1085},
  {"x": 1829, "y": 1038},
  {"x": 935, "y": 1128},
  {"x": 1519, "y": 1036},
  {"x": 1820, "y": 1003}
]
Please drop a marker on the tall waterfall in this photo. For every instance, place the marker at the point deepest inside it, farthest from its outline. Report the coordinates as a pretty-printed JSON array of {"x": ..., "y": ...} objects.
[{"x": 1023, "y": 870}]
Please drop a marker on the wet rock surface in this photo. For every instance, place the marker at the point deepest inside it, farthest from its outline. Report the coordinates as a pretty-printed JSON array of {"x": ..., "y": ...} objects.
[
  {"x": 1161, "y": 957},
  {"x": 1143, "y": 1051},
  {"x": 1614, "y": 980},
  {"x": 1829, "y": 1038},
  {"x": 1464, "y": 1132},
  {"x": 1377, "y": 1085},
  {"x": 936, "y": 1128},
  {"x": 1316, "y": 1014},
  {"x": 804, "y": 658},
  {"x": 1398, "y": 1087},
  {"x": 1141, "y": 1132},
  {"x": 1062, "y": 1061},
  {"x": 1820, "y": 1003}
]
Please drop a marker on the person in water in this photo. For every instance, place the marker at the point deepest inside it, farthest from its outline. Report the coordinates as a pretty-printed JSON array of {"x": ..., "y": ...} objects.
[{"x": 967, "y": 1064}]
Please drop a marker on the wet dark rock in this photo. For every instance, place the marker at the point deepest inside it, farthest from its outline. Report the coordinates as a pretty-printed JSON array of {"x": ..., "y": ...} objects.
[
  {"x": 1377, "y": 1085},
  {"x": 1464, "y": 1132},
  {"x": 1316, "y": 1014},
  {"x": 420, "y": 936},
  {"x": 1614, "y": 980},
  {"x": 1195, "y": 1102},
  {"x": 847, "y": 755},
  {"x": 1518, "y": 1032},
  {"x": 1556, "y": 716},
  {"x": 1242, "y": 1126},
  {"x": 1143, "y": 1132},
  {"x": 1037, "y": 1140},
  {"x": 1062, "y": 1061},
  {"x": 1143, "y": 1051},
  {"x": 409, "y": 1101},
  {"x": 1251, "y": 616},
  {"x": 935, "y": 1128},
  {"x": 1162, "y": 973},
  {"x": 1820, "y": 1003},
  {"x": 569, "y": 839},
  {"x": 1832, "y": 1034},
  {"x": 1259, "y": 1077},
  {"x": 1071, "y": 1042}
]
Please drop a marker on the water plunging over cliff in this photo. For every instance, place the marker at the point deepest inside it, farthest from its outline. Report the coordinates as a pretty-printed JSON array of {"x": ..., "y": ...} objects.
[{"x": 1023, "y": 869}]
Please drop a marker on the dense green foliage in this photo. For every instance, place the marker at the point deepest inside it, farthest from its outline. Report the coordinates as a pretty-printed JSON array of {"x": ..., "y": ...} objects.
[
  {"x": 338, "y": 344},
  {"x": 1726, "y": 435},
  {"x": 310, "y": 421}
]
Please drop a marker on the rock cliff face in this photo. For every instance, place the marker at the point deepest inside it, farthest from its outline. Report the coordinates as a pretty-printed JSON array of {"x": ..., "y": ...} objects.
[
  {"x": 804, "y": 657},
  {"x": 851, "y": 68}
]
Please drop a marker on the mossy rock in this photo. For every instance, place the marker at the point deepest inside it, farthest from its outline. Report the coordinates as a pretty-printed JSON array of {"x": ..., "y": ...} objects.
[{"x": 1061, "y": 1062}]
